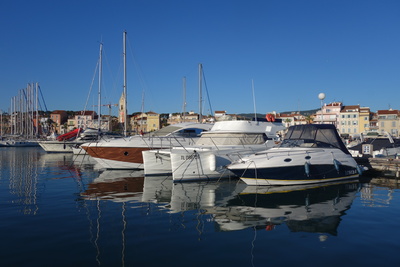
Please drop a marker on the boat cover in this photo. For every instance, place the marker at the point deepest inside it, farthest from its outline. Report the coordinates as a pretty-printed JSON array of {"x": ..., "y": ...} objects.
[{"x": 320, "y": 134}]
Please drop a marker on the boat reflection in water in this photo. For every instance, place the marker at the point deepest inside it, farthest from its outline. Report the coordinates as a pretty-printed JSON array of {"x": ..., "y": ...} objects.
[
  {"x": 204, "y": 196},
  {"x": 232, "y": 205},
  {"x": 116, "y": 185},
  {"x": 306, "y": 208},
  {"x": 130, "y": 186},
  {"x": 21, "y": 166}
]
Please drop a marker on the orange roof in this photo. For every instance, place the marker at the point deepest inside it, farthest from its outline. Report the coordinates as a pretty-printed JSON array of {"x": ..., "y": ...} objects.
[{"x": 390, "y": 111}]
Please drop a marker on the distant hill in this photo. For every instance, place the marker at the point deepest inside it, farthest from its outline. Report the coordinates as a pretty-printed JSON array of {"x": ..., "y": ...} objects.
[{"x": 302, "y": 112}]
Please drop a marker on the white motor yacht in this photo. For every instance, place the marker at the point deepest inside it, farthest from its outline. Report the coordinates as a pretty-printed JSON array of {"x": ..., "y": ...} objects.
[
  {"x": 206, "y": 159},
  {"x": 311, "y": 153},
  {"x": 126, "y": 153}
]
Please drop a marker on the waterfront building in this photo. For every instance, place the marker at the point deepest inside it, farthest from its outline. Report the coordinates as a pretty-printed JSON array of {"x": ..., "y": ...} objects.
[
  {"x": 59, "y": 117},
  {"x": 349, "y": 121},
  {"x": 145, "y": 122},
  {"x": 187, "y": 117},
  {"x": 292, "y": 119},
  {"x": 138, "y": 122},
  {"x": 84, "y": 119},
  {"x": 219, "y": 113},
  {"x": 329, "y": 114},
  {"x": 364, "y": 120},
  {"x": 153, "y": 121},
  {"x": 388, "y": 121},
  {"x": 373, "y": 124}
]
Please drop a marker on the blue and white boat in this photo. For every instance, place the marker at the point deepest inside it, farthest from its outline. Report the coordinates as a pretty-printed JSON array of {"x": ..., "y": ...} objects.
[{"x": 311, "y": 153}]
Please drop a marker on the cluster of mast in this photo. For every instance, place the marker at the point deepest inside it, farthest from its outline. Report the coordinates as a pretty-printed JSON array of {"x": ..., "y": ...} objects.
[{"x": 24, "y": 112}]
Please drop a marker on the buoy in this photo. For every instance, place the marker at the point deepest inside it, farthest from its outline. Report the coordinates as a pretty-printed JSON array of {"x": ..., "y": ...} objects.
[{"x": 270, "y": 117}]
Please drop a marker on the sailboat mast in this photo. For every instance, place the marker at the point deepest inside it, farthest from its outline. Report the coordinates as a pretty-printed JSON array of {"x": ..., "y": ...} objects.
[
  {"x": 100, "y": 78},
  {"x": 125, "y": 78},
  {"x": 37, "y": 109},
  {"x": 254, "y": 100},
  {"x": 184, "y": 99},
  {"x": 200, "y": 93}
]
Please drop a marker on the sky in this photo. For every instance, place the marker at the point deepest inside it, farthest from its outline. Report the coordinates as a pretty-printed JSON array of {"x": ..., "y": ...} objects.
[{"x": 257, "y": 55}]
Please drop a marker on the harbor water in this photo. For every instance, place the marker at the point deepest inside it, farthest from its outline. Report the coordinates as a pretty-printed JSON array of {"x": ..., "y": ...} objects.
[{"x": 63, "y": 210}]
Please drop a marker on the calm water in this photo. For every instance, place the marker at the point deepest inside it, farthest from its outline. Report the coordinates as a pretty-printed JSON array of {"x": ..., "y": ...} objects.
[{"x": 57, "y": 210}]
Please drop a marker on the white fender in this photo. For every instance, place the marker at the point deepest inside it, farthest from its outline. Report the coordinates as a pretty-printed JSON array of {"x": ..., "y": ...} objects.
[{"x": 212, "y": 162}]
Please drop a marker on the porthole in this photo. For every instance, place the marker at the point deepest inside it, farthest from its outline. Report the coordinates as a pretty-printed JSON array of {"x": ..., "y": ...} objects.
[
  {"x": 287, "y": 160},
  {"x": 307, "y": 157},
  {"x": 126, "y": 153}
]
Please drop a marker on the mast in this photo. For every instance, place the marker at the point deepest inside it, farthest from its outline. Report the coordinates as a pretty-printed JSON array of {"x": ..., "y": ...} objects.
[
  {"x": 12, "y": 115},
  {"x": 125, "y": 93},
  {"x": 100, "y": 78},
  {"x": 254, "y": 100},
  {"x": 1, "y": 129},
  {"x": 37, "y": 110},
  {"x": 200, "y": 93},
  {"x": 184, "y": 98}
]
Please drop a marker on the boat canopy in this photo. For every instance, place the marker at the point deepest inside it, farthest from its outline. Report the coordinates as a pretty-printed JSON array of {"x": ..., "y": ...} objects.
[
  {"x": 211, "y": 138},
  {"x": 313, "y": 135}
]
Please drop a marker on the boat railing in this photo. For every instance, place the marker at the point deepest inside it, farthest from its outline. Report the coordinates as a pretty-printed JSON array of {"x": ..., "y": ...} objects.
[
  {"x": 289, "y": 152},
  {"x": 167, "y": 141}
]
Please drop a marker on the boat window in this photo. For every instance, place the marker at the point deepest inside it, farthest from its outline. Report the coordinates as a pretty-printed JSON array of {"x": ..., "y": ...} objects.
[
  {"x": 177, "y": 131},
  {"x": 310, "y": 136},
  {"x": 165, "y": 131},
  {"x": 188, "y": 133}
]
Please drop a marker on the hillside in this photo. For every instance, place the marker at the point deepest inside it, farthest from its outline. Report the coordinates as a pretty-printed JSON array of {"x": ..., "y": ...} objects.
[{"x": 302, "y": 112}]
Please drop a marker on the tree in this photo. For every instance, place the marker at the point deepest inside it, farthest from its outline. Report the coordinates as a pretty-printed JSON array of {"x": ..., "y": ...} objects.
[{"x": 309, "y": 119}]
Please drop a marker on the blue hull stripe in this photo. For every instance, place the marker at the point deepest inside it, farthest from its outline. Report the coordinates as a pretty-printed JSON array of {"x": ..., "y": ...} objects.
[{"x": 315, "y": 172}]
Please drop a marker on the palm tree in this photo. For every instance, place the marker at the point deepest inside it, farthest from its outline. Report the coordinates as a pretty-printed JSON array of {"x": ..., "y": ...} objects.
[
  {"x": 288, "y": 121},
  {"x": 309, "y": 119}
]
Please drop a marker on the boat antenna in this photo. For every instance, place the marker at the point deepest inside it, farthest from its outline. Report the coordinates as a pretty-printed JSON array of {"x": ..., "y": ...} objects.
[{"x": 321, "y": 97}]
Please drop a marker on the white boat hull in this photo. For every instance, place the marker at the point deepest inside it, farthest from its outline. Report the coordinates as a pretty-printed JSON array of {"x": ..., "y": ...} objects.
[
  {"x": 157, "y": 162},
  {"x": 17, "y": 143},
  {"x": 126, "y": 153},
  {"x": 192, "y": 164},
  {"x": 291, "y": 166},
  {"x": 59, "y": 146}
]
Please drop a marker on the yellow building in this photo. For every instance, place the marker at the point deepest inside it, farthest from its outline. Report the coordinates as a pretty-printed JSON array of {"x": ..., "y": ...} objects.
[
  {"x": 153, "y": 121},
  {"x": 364, "y": 120},
  {"x": 349, "y": 120}
]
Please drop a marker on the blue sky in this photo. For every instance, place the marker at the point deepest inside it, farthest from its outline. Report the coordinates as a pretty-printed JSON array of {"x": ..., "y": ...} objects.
[{"x": 291, "y": 49}]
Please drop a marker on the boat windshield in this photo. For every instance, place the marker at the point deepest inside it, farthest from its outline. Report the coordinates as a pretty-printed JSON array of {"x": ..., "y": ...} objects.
[
  {"x": 305, "y": 143},
  {"x": 313, "y": 135}
]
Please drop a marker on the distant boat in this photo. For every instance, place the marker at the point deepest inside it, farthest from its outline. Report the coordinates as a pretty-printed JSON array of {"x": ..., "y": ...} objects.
[
  {"x": 312, "y": 153},
  {"x": 62, "y": 143},
  {"x": 18, "y": 142},
  {"x": 67, "y": 142}
]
